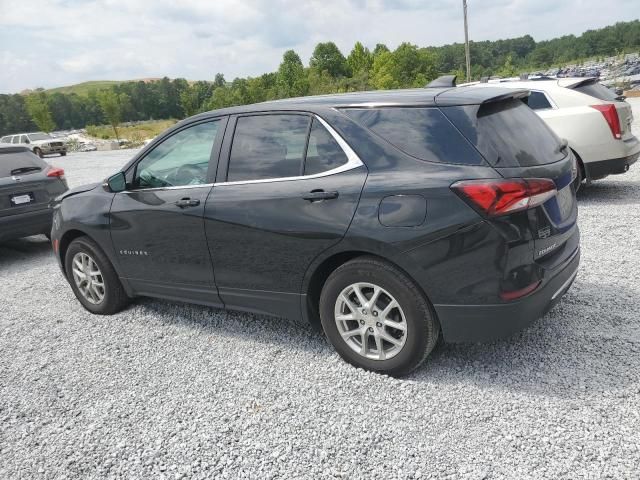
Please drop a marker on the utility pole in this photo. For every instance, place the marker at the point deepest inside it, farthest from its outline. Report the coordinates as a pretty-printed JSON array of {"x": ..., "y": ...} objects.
[{"x": 466, "y": 40}]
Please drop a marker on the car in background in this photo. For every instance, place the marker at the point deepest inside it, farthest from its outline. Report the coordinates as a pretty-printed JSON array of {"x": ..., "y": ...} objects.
[
  {"x": 387, "y": 219},
  {"x": 28, "y": 184},
  {"x": 595, "y": 121},
  {"x": 39, "y": 142}
]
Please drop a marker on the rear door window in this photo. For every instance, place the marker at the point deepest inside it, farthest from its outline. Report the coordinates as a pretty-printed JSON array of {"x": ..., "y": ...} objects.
[
  {"x": 507, "y": 133},
  {"x": 323, "y": 152},
  {"x": 268, "y": 146},
  {"x": 422, "y": 132}
]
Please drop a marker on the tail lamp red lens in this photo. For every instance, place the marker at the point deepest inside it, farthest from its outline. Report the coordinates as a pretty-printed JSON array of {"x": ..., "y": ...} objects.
[
  {"x": 610, "y": 114},
  {"x": 501, "y": 197},
  {"x": 55, "y": 172}
]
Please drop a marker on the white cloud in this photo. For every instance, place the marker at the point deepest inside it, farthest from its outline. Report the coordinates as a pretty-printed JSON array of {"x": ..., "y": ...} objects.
[{"x": 56, "y": 42}]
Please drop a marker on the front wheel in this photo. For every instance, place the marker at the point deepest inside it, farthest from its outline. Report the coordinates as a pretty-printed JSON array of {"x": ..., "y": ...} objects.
[
  {"x": 63, "y": 154},
  {"x": 38, "y": 152},
  {"x": 93, "y": 279},
  {"x": 377, "y": 318}
]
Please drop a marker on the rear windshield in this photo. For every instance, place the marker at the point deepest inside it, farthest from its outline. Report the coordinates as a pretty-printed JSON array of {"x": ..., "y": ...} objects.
[
  {"x": 19, "y": 163},
  {"x": 507, "y": 133},
  {"x": 423, "y": 133},
  {"x": 597, "y": 90}
]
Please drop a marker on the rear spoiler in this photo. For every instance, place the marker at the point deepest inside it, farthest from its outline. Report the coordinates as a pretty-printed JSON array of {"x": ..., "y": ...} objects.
[
  {"x": 576, "y": 82},
  {"x": 478, "y": 95}
]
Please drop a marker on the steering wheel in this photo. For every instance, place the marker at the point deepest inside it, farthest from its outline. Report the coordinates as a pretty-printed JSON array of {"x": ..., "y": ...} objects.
[{"x": 189, "y": 174}]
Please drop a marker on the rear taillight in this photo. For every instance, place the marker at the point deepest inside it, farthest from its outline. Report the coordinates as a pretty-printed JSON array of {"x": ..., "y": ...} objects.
[
  {"x": 610, "y": 114},
  {"x": 55, "y": 172},
  {"x": 515, "y": 294},
  {"x": 500, "y": 197}
]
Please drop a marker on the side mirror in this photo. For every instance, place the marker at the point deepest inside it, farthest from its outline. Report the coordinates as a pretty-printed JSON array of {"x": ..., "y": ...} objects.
[
  {"x": 619, "y": 91},
  {"x": 26, "y": 140},
  {"x": 117, "y": 182}
]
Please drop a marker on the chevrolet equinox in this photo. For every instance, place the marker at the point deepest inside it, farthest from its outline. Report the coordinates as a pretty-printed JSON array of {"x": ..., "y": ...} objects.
[{"x": 387, "y": 219}]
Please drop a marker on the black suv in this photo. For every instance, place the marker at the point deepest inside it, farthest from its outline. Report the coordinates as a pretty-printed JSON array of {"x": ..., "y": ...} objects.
[{"x": 387, "y": 218}]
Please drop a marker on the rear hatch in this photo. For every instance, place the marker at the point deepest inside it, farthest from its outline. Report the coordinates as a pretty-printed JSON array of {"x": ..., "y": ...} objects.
[
  {"x": 519, "y": 145},
  {"x": 27, "y": 183},
  {"x": 593, "y": 88}
]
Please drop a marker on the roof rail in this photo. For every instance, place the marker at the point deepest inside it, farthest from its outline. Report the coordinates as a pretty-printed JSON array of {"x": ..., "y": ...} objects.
[{"x": 443, "y": 81}]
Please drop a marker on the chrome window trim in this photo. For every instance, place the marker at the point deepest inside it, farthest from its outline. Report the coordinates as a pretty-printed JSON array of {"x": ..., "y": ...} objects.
[
  {"x": 353, "y": 161},
  {"x": 173, "y": 187}
]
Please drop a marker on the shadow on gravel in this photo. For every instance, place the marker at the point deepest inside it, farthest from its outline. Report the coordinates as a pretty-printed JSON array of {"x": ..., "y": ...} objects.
[
  {"x": 578, "y": 349},
  {"x": 586, "y": 346},
  {"x": 30, "y": 248},
  {"x": 619, "y": 192}
]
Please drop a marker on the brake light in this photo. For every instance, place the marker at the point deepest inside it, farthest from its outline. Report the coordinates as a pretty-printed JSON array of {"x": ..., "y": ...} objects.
[
  {"x": 55, "y": 172},
  {"x": 500, "y": 197},
  {"x": 610, "y": 114}
]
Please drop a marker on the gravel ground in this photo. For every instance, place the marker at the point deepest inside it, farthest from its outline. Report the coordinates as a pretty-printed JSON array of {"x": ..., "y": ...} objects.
[{"x": 166, "y": 390}]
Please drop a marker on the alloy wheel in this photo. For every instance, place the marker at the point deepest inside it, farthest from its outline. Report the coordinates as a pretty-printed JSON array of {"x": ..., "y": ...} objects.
[
  {"x": 88, "y": 278},
  {"x": 371, "y": 321}
]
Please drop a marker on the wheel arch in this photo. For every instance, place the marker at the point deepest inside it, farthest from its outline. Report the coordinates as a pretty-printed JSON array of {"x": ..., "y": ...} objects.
[
  {"x": 65, "y": 240},
  {"x": 318, "y": 275}
]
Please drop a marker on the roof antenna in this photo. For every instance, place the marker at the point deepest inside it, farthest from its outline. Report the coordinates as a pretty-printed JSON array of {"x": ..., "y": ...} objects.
[{"x": 444, "y": 81}]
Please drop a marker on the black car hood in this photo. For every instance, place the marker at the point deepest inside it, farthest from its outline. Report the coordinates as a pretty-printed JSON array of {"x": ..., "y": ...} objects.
[{"x": 76, "y": 190}]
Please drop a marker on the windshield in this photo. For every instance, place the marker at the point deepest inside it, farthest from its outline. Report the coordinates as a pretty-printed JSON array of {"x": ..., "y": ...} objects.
[{"x": 39, "y": 136}]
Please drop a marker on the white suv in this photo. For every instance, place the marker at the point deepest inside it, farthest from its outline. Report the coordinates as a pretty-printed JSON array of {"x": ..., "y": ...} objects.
[
  {"x": 40, "y": 143},
  {"x": 593, "y": 119}
]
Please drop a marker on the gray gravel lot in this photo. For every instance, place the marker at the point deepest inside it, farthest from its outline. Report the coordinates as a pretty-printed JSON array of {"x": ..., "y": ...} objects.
[{"x": 166, "y": 390}]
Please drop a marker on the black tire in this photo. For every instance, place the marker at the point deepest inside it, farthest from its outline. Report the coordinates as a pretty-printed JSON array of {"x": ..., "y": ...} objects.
[
  {"x": 422, "y": 331},
  {"x": 579, "y": 182},
  {"x": 115, "y": 298},
  {"x": 63, "y": 154},
  {"x": 38, "y": 152}
]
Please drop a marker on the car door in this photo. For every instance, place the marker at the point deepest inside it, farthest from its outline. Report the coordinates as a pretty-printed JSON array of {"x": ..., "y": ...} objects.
[
  {"x": 157, "y": 223},
  {"x": 287, "y": 190}
]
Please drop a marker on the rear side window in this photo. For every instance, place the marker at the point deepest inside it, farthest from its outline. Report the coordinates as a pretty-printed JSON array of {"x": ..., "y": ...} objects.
[
  {"x": 537, "y": 101},
  {"x": 507, "y": 133},
  {"x": 423, "y": 133},
  {"x": 596, "y": 90},
  {"x": 19, "y": 163},
  {"x": 268, "y": 146}
]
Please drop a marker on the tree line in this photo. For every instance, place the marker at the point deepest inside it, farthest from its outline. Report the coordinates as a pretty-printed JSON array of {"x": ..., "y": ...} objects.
[{"x": 328, "y": 71}]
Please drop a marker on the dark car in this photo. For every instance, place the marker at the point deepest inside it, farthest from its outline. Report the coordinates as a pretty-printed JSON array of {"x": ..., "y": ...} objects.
[
  {"x": 28, "y": 184},
  {"x": 385, "y": 218}
]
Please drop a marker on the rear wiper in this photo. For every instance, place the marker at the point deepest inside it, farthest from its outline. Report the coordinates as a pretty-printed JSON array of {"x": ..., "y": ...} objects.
[{"x": 18, "y": 171}]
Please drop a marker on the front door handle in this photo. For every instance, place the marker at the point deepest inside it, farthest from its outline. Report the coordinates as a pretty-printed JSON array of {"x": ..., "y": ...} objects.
[
  {"x": 317, "y": 195},
  {"x": 187, "y": 202}
]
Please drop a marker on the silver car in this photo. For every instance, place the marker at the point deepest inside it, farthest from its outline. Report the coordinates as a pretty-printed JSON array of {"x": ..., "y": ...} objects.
[{"x": 40, "y": 143}]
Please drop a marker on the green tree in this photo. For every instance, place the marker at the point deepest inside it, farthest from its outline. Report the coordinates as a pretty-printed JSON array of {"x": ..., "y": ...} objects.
[
  {"x": 38, "y": 108},
  {"x": 291, "y": 80},
  {"x": 360, "y": 59},
  {"x": 112, "y": 105},
  {"x": 328, "y": 57}
]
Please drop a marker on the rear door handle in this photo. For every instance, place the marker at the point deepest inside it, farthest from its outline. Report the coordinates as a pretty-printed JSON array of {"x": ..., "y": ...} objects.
[
  {"x": 187, "y": 202},
  {"x": 317, "y": 195}
]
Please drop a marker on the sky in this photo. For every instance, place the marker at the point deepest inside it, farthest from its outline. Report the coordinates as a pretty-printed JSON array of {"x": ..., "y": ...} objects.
[{"x": 48, "y": 43}]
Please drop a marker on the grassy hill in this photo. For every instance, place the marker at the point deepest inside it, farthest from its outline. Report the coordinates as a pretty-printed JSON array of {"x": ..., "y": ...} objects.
[{"x": 85, "y": 87}]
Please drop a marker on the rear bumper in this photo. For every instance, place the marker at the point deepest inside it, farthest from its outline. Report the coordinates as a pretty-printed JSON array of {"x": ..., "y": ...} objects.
[
  {"x": 478, "y": 323},
  {"x": 614, "y": 166},
  {"x": 25, "y": 224}
]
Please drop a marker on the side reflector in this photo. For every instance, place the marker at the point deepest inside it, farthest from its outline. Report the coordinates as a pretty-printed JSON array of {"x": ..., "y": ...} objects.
[{"x": 514, "y": 295}]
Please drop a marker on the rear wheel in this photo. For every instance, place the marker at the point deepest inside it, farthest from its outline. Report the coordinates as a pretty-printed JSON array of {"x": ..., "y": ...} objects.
[
  {"x": 63, "y": 154},
  {"x": 93, "y": 279},
  {"x": 377, "y": 318}
]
